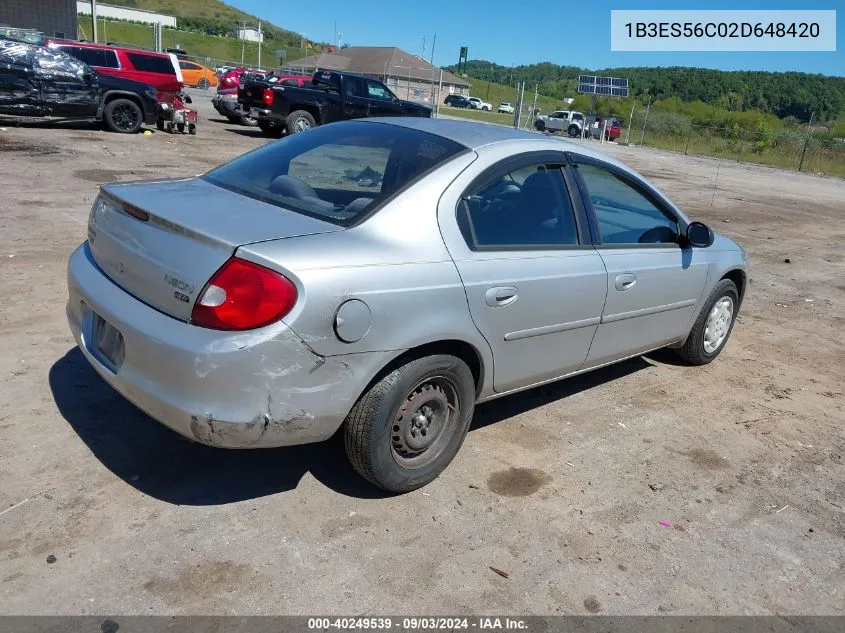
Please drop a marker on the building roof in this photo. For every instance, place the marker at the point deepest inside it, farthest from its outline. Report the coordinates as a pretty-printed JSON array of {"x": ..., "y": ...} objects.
[{"x": 378, "y": 60}]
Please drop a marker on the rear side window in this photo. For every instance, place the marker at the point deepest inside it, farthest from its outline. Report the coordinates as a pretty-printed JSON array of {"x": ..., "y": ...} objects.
[
  {"x": 338, "y": 172},
  {"x": 93, "y": 56},
  {"x": 151, "y": 63}
]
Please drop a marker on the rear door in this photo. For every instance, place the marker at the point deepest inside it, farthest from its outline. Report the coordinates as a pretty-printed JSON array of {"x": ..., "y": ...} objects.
[
  {"x": 355, "y": 101},
  {"x": 18, "y": 84},
  {"x": 535, "y": 286},
  {"x": 653, "y": 283}
]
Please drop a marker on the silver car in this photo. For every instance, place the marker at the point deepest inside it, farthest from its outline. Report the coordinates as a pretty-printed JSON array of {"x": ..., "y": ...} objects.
[{"x": 385, "y": 276}]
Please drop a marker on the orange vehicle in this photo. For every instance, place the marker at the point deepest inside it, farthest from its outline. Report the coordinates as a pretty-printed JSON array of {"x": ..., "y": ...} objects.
[{"x": 197, "y": 75}]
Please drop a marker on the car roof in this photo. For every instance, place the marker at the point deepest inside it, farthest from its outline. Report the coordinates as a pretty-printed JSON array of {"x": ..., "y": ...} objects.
[
  {"x": 474, "y": 135},
  {"x": 108, "y": 47}
]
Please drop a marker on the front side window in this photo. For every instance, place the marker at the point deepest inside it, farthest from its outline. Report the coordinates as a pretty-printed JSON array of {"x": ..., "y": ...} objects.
[
  {"x": 375, "y": 90},
  {"x": 55, "y": 63},
  {"x": 527, "y": 207},
  {"x": 338, "y": 172},
  {"x": 626, "y": 214}
]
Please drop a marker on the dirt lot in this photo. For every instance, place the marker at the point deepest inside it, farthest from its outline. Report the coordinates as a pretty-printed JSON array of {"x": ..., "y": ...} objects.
[{"x": 563, "y": 487}]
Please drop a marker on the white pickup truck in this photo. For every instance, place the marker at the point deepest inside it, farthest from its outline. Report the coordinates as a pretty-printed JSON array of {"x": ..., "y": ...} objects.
[
  {"x": 567, "y": 121},
  {"x": 478, "y": 104}
]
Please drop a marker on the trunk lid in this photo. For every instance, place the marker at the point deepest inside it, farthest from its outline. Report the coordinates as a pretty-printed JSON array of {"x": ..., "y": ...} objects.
[{"x": 162, "y": 241}]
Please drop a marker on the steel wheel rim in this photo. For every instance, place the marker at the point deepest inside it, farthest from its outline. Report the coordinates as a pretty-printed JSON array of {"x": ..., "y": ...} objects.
[
  {"x": 425, "y": 422},
  {"x": 301, "y": 124},
  {"x": 718, "y": 324},
  {"x": 124, "y": 117}
]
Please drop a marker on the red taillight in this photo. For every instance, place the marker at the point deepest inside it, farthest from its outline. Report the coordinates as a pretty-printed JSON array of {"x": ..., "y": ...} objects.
[
  {"x": 267, "y": 96},
  {"x": 243, "y": 296}
]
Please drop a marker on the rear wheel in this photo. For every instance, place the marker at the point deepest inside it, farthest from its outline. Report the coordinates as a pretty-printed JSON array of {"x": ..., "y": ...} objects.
[
  {"x": 408, "y": 427},
  {"x": 160, "y": 125},
  {"x": 203, "y": 84},
  {"x": 713, "y": 326},
  {"x": 247, "y": 120},
  {"x": 540, "y": 126},
  {"x": 300, "y": 121},
  {"x": 270, "y": 130},
  {"x": 123, "y": 116}
]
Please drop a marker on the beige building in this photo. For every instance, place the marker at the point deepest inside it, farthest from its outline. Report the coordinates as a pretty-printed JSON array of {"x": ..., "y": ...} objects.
[{"x": 409, "y": 76}]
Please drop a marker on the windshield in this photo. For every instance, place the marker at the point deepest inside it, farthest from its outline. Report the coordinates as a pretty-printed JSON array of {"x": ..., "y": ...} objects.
[{"x": 336, "y": 172}]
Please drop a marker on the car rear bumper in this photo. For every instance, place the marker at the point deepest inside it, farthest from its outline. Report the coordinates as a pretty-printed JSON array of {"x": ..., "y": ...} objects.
[
  {"x": 229, "y": 389},
  {"x": 227, "y": 105}
]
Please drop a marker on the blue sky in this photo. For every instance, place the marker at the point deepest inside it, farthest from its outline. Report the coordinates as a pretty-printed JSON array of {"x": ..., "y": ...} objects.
[{"x": 512, "y": 33}]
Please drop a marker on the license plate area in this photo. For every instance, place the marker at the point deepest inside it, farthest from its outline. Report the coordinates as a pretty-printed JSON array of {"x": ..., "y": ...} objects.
[{"x": 108, "y": 343}]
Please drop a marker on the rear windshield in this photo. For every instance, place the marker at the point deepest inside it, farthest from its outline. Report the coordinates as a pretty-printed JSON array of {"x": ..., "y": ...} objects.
[
  {"x": 152, "y": 63},
  {"x": 338, "y": 172}
]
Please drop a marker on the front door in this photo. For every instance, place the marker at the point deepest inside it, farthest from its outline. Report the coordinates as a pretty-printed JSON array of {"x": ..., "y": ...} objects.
[
  {"x": 18, "y": 85},
  {"x": 69, "y": 88},
  {"x": 653, "y": 283},
  {"x": 534, "y": 285},
  {"x": 382, "y": 101},
  {"x": 356, "y": 104}
]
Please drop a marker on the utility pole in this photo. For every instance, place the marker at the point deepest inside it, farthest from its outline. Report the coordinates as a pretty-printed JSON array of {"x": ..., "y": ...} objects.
[
  {"x": 433, "y": 42},
  {"x": 94, "y": 19},
  {"x": 648, "y": 109},
  {"x": 630, "y": 123},
  {"x": 259, "y": 44},
  {"x": 243, "y": 43},
  {"x": 439, "y": 92},
  {"x": 806, "y": 140}
]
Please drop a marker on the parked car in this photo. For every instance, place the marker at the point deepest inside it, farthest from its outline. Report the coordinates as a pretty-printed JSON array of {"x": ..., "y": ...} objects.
[
  {"x": 506, "y": 108},
  {"x": 197, "y": 75},
  {"x": 595, "y": 125},
  {"x": 331, "y": 96},
  {"x": 478, "y": 104},
  {"x": 560, "y": 120},
  {"x": 457, "y": 101},
  {"x": 226, "y": 99},
  {"x": 160, "y": 70},
  {"x": 384, "y": 277},
  {"x": 36, "y": 81}
]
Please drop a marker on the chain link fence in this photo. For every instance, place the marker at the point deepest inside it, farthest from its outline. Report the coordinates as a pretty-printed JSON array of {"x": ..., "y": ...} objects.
[{"x": 789, "y": 149}]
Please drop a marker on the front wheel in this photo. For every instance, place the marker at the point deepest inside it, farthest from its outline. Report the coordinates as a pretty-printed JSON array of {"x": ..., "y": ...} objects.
[
  {"x": 300, "y": 121},
  {"x": 713, "y": 326},
  {"x": 574, "y": 131},
  {"x": 408, "y": 427},
  {"x": 123, "y": 116}
]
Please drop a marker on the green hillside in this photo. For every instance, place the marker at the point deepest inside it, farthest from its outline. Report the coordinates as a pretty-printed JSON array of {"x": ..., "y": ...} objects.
[
  {"x": 214, "y": 47},
  {"x": 212, "y": 16}
]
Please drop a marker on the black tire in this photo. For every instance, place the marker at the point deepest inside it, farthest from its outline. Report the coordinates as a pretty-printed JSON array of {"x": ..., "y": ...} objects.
[
  {"x": 192, "y": 129},
  {"x": 374, "y": 425},
  {"x": 203, "y": 84},
  {"x": 271, "y": 130},
  {"x": 160, "y": 125},
  {"x": 540, "y": 126},
  {"x": 123, "y": 116},
  {"x": 694, "y": 350},
  {"x": 180, "y": 127},
  {"x": 299, "y": 121},
  {"x": 573, "y": 131}
]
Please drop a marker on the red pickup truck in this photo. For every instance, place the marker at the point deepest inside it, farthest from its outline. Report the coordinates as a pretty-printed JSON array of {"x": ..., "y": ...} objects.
[{"x": 226, "y": 99}]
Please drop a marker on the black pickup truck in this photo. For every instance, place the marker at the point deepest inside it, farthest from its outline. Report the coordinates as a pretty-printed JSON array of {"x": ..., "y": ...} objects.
[{"x": 331, "y": 96}]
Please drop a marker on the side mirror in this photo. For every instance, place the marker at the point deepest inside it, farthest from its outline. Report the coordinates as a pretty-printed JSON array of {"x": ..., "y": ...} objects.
[{"x": 699, "y": 234}]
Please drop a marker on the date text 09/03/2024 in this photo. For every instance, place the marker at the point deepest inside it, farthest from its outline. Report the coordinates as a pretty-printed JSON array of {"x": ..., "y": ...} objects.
[{"x": 418, "y": 624}]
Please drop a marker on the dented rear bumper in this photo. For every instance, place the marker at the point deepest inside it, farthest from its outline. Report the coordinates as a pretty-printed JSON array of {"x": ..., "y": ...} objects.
[{"x": 252, "y": 389}]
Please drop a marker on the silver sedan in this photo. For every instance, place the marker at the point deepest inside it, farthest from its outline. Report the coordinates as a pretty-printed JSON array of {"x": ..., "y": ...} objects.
[{"x": 385, "y": 276}]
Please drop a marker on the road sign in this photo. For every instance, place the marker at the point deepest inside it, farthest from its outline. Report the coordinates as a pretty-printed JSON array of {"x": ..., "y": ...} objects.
[
  {"x": 281, "y": 54},
  {"x": 610, "y": 86}
]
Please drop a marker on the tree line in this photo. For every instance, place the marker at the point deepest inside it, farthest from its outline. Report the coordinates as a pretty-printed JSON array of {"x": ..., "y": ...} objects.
[{"x": 786, "y": 95}]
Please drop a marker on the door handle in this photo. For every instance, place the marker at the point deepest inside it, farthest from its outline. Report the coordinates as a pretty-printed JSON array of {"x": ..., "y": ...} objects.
[
  {"x": 501, "y": 296},
  {"x": 625, "y": 281}
]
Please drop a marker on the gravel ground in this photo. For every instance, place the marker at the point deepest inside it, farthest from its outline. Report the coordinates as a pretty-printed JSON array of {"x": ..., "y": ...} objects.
[{"x": 564, "y": 488}]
